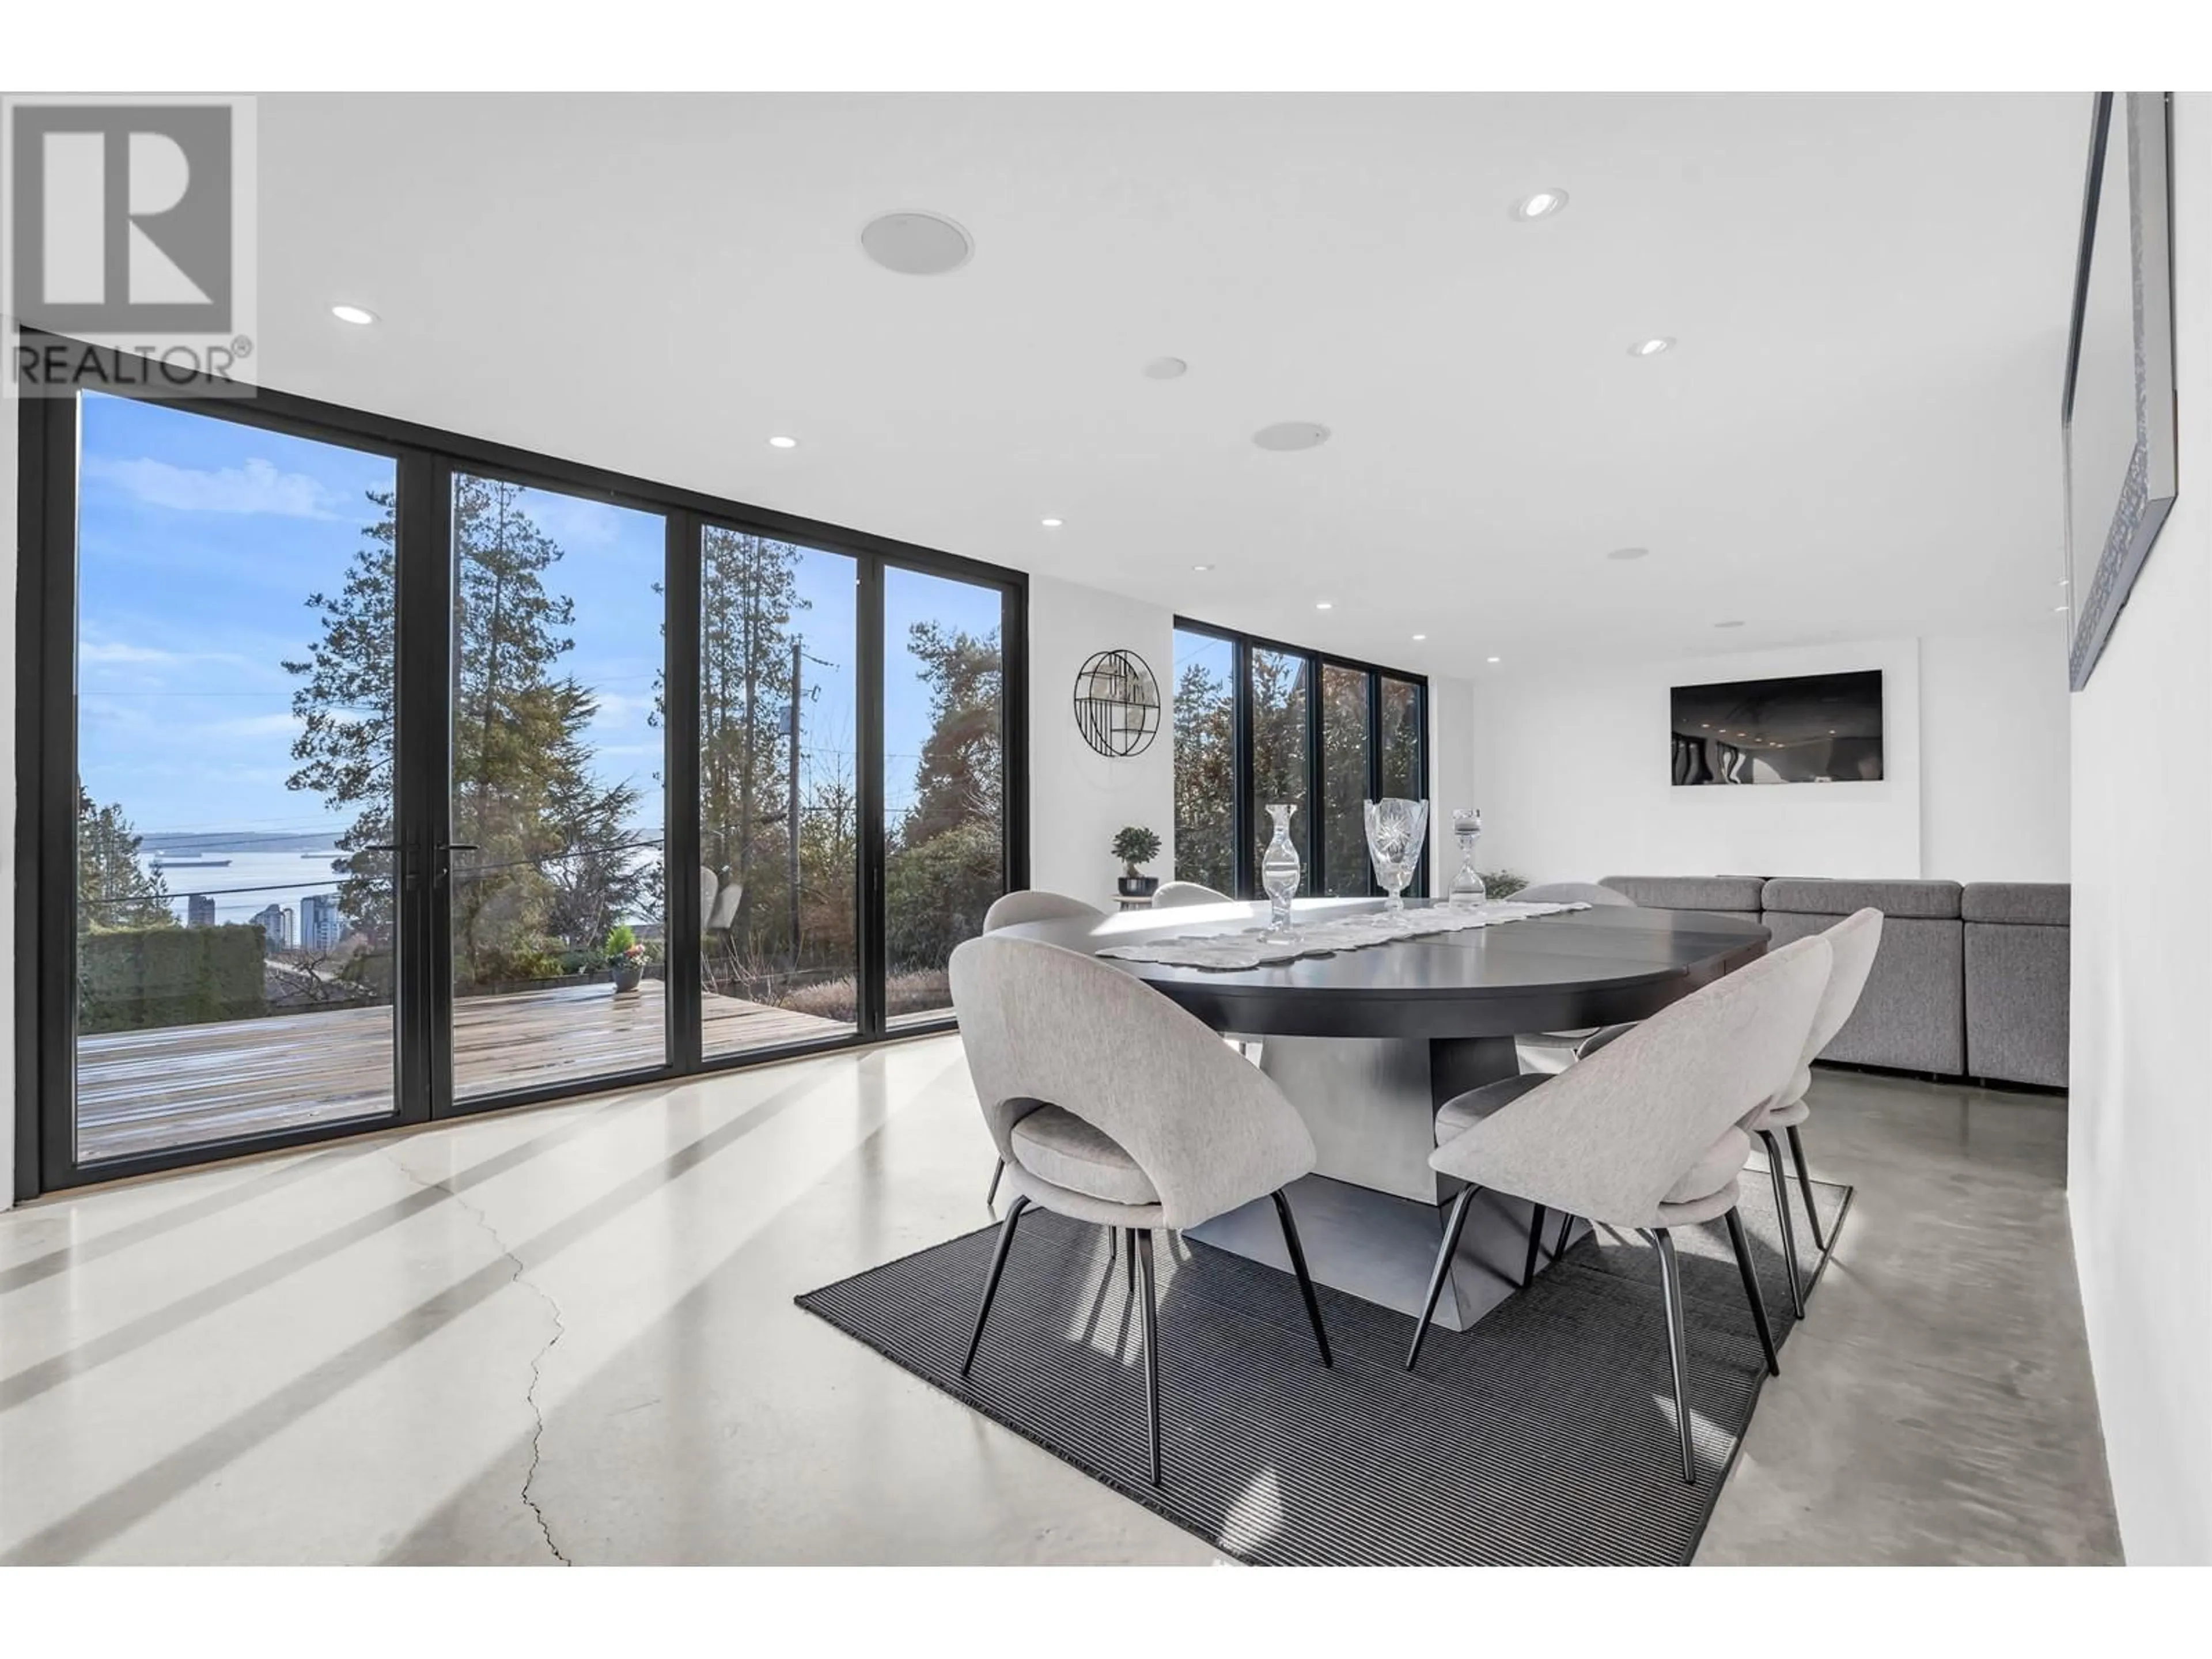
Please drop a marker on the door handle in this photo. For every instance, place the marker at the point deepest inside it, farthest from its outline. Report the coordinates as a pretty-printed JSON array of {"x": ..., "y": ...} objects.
[{"x": 445, "y": 851}]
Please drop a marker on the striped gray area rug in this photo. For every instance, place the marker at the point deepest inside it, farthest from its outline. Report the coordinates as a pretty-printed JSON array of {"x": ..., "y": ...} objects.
[{"x": 1545, "y": 1435}]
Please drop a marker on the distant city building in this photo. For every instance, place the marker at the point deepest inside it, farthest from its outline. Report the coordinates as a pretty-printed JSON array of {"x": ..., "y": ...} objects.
[
  {"x": 320, "y": 926},
  {"x": 199, "y": 910},
  {"x": 276, "y": 924}
]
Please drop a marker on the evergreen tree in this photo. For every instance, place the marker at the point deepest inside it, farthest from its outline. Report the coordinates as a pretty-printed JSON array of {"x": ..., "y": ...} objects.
[
  {"x": 1205, "y": 780},
  {"x": 113, "y": 889},
  {"x": 545, "y": 833},
  {"x": 748, "y": 595},
  {"x": 947, "y": 861}
]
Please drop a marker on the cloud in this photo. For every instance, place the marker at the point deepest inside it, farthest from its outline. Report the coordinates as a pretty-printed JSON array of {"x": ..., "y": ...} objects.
[
  {"x": 254, "y": 726},
  {"x": 256, "y": 487}
]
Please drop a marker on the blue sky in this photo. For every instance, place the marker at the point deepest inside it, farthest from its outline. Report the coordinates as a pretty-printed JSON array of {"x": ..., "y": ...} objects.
[{"x": 200, "y": 539}]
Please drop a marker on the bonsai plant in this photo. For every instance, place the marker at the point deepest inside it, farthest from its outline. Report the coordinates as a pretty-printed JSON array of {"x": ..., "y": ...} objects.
[
  {"x": 1135, "y": 847},
  {"x": 625, "y": 957}
]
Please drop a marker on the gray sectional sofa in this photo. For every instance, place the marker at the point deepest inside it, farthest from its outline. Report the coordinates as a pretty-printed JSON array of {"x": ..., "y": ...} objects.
[{"x": 1971, "y": 980}]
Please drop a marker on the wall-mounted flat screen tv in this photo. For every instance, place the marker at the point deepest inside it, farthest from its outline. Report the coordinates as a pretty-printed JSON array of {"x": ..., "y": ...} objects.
[{"x": 1809, "y": 728}]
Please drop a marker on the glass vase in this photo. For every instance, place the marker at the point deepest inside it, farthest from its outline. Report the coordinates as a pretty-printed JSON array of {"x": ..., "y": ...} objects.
[
  {"x": 1395, "y": 828},
  {"x": 1279, "y": 871},
  {"x": 1468, "y": 892}
]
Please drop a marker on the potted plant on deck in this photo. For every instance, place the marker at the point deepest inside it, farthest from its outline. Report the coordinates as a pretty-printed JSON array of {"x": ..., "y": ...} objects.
[
  {"x": 1135, "y": 847},
  {"x": 625, "y": 959}
]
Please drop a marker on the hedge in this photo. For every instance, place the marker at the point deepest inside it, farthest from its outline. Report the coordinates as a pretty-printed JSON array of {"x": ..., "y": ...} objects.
[{"x": 132, "y": 978}]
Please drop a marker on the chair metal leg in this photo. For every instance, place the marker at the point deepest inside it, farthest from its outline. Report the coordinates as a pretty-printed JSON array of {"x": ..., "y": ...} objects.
[
  {"x": 998, "y": 1267},
  {"x": 1566, "y": 1226},
  {"x": 1805, "y": 1186},
  {"x": 1535, "y": 1244},
  {"x": 1678, "y": 1347},
  {"x": 1782, "y": 1213},
  {"x": 998, "y": 1174},
  {"x": 1142, "y": 1250},
  {"x": 1131, "y": 1233},
  {"x": 1453, "y": 1229},
  {"x": 1305, "y": 1279},
  {"x": 1750, "y": 1292}
]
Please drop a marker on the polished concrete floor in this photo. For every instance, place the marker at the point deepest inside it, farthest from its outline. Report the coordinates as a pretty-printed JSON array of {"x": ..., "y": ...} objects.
[{"x": 566, "y": 1335}]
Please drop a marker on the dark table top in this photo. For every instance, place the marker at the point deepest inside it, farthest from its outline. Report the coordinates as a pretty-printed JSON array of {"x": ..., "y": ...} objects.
[{"x": 1549, "y": 973}]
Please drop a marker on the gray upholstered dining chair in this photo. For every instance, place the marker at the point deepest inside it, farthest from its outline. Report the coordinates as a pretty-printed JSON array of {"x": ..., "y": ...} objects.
[
  {"x": 1853, "y": 942},
  {"x": 1111, "y": 1105},
  {"x": 1646, "y": 1133},
  {"x": 1010, "y": 910},
  {"x": 1173, "y": 893},
  {"x": 1554, "y": 1051},
  {"x": 1035, "y": 904}
]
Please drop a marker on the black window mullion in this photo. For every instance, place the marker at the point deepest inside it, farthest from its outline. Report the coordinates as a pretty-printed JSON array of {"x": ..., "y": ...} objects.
[
  {"x": 680, "y": 650},
  {"x": 1014, "y": 734},
  {"x": 422, "y": 807},
  {"x": 1374, "y": 764},
  {"x": 46, "y": 1127},
  {"x": 1316, "y": 879},
  {"x": 1243, "y": 815},
  {"x": 868, "y": 912}
]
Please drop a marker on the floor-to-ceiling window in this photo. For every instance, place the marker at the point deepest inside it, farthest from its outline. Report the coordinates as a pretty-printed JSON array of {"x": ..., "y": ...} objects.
[
  {"x": 232, "y": 885},
  {"x": 944, "y": 781},
  {"x": 378, "y": 774},
  {"x": 555, "y": 874},
  {"x": 1205, "y": 715},
  {"x": 1259, "y": 723},
  {"x": 779, "y": 792}
]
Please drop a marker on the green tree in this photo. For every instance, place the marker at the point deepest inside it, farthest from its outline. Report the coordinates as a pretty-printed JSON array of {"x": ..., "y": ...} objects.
[
  {"x": 113, "y": 889},
  {"x": 547, "y": 834},
  {"x": 946, "y": 861},
  {"x": 1205, "y": 780}
]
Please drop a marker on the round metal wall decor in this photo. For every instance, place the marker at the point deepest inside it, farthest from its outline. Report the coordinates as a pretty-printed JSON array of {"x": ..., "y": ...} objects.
[{"x": 1117, "y": 704}]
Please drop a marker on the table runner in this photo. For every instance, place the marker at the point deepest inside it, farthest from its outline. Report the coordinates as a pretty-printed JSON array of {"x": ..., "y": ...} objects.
[{"x": 1254, "y": 947}]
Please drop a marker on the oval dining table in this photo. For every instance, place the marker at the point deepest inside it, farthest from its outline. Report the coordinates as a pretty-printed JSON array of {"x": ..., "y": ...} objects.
[{"x": 1368, "y": 1042}]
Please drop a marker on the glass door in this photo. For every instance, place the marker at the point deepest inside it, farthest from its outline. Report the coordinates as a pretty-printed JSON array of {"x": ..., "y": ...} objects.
[
  {"x": 944, "y": 781},
  {"x": 235, "y": 910},
  {"x": 553, "y": 880}
]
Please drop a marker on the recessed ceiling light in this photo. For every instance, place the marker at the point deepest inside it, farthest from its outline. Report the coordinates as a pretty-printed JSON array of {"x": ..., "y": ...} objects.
[
  {"x": 1052, "y": 524},
  {"x": 2066, "y": 582},
  {"x": 359, "y": 316},
  {"x": 1628, "y": 553},
  {"x": 1653, "y": 347},
  {"x": 781, "y": 442},
  {"x": 916, "y": 244},
  {"x": 1541, "y": 205},
  {"x": 2062, "y": 607},
  {"x": 1420, "y": 636},
  {"x": 1324, "y": 604},
  {"x": 1166, "y": 369},
  {"x": 1497, "y": 659},
  {"x": 1291, "y": 434},
  {"x": 1733, "y": 622},
  {"x": 1201, "y": 567}
]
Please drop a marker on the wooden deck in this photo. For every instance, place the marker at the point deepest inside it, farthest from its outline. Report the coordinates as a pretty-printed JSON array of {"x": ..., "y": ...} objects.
[{"x": 142, "y": 1091}]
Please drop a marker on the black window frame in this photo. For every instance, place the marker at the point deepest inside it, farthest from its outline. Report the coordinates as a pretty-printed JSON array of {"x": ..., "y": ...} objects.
[
  {"x": 425, "y": 460},
  {"x": 1245, "y": 811}
]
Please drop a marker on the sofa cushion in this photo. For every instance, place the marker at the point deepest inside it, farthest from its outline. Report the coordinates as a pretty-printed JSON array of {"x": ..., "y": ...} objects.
[
  {"x": 1737, "y": 895},
  {"x": 2044, "y": 904},
  {"x": 1912, "y": 1013},
  {"x": 1819, "y": 896},
  {"x": 2017, "y": 977}
]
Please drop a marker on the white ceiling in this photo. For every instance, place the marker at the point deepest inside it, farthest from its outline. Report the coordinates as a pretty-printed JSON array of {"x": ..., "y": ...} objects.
[{"x": 1856, "y": 436}]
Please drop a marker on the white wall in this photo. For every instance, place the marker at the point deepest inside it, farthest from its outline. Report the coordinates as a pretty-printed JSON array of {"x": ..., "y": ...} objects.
[
  {"x": 1078, "y": 797},
  {"x": 2140, "y": 1151},
  {"x": 1571, "y": 767},
  {"x": 1571, "y": 771},
  {"x": 1995, "y": 751}
]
